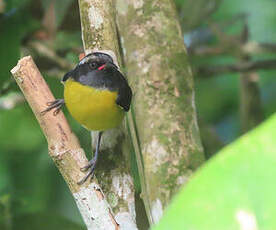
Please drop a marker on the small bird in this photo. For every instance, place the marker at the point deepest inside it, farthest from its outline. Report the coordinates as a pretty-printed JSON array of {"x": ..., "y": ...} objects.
[{"x": 97, "y": 95}]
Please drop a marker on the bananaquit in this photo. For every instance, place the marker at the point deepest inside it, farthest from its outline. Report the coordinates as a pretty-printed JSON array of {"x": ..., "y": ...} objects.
[{"x": 97, "y": 95}]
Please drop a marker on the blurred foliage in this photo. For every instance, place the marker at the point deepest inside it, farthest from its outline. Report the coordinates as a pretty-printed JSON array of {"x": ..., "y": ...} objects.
[
  {"x": 60, "y": 9},
  {"x": 15, "y": 24},
  {"x": 218, "y": 97},
  {"x": 32, "y": 193},
  {"x": 234, "y": 190}
]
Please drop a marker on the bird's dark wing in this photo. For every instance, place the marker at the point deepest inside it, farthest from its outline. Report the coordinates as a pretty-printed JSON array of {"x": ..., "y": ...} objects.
[
  {"x": 124, "y": 92},
  {"x": 124, "y": 97}
]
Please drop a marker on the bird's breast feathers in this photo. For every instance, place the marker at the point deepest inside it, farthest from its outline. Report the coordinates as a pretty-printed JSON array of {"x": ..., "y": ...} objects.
[{"x": 95, "y": 109}]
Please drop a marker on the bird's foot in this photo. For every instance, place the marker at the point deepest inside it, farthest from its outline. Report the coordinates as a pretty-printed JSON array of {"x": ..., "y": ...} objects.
[
  {"x": 56, "y": 104},
  {"x": 90, "y": 167}
]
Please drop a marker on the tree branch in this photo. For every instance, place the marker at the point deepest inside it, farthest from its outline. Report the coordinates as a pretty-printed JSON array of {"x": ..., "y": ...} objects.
[
  {"x": 256, "y": 48},
  {"x": 248, "y": 48},
  {"x": 64, "y": 148},
  {"x": 238, "y": 67}
]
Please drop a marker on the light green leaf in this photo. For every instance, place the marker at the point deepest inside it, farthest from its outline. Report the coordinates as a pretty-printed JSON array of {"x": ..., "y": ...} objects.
[{"x": 234, "y": 190}]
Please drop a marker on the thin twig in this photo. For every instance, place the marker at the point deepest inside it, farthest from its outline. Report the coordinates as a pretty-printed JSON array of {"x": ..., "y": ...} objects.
[
  {"x": 238, "y": 67},
  {"x": 251, "y": 111},
  {"x": 248, "y": 48}
]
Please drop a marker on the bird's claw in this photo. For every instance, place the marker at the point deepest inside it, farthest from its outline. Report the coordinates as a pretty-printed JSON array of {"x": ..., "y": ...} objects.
[
  {"x": 91, "y": 167},
  {"x": 92, "y": 163},
  {"x": 56, "y": 104}
]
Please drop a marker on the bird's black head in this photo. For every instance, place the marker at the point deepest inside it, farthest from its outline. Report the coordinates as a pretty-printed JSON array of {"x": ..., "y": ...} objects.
[
  {"x": 91, "y": 62},
  {"x": 96, "y": 60}
]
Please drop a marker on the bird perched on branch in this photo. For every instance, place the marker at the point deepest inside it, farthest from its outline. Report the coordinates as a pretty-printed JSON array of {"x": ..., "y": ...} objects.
[{"x": 97, "y": 95}]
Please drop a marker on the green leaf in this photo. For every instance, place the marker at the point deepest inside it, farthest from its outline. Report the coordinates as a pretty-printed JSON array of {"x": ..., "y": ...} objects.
[
  {"x": 261, "y": 17},
  {"x": 13, "y": 28},
  {"x": 234, "y": 190},
  {"x": 45, "y": 221},
  {"x": 12, "y": 4},
  {"x": 19, "y": 130}
]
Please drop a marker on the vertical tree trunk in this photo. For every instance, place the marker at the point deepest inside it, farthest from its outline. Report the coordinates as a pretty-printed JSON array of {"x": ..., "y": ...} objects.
[
  {"x": 113, "y": 169},
  {"x": 163, "y": 123}
]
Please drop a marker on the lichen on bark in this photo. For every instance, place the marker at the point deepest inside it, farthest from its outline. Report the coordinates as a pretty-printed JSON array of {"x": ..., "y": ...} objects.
[{"x": 98, "y": 25}]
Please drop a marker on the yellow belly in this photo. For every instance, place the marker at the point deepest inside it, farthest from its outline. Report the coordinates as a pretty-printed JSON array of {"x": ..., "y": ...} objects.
[{"x": 94, "y": 109}]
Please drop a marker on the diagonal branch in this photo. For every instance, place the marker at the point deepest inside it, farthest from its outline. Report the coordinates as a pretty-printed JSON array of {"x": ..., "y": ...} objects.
[{"x": 64, "y": 148}]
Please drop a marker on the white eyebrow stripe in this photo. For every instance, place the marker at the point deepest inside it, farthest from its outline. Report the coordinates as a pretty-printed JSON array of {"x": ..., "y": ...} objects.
[{"x": 86, "y": 59}]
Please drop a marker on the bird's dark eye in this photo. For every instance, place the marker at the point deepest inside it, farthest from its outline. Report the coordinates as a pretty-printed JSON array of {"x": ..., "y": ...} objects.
[{"x": 93, "y": 65}]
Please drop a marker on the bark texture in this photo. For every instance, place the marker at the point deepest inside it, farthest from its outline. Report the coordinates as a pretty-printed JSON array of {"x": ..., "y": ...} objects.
[
  {"x": 113, "y": 170},
  {"x": 163, "y": 122},
  {"x": 98, "y": 26},
  {"x": 64, "y": 148}
]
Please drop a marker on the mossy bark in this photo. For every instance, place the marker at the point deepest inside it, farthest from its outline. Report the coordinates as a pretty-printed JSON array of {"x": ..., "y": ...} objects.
[
  {"x": 98, "y": 25},
  {"x": 113, "y": 169},
  {"x": 163, "y": 122}
]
